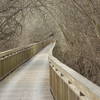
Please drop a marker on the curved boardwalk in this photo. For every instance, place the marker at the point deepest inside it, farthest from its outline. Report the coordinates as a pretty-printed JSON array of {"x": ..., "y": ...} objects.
[{"x": 30, "y": 81}]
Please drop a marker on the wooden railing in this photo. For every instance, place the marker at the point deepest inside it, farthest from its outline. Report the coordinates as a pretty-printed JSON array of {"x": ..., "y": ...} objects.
[
  {"x": 67, "y": 84},
  {"x": 11, "y": 59}
]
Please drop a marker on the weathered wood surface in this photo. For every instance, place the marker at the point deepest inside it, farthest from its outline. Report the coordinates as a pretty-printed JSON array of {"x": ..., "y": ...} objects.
[
  {"x": 29, "y": 82},
  {"x": 67, "y": 84}
]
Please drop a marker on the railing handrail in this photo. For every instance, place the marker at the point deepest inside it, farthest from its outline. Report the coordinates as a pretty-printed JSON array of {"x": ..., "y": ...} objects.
[
  {"x": 87, "y": 87},
  {"x": 10, "y": 51}
]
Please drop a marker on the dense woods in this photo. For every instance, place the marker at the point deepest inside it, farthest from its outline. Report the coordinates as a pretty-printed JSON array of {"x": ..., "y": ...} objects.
[
  {"x": 74, "y": 23},
  {"x": 19, "y": 19}
]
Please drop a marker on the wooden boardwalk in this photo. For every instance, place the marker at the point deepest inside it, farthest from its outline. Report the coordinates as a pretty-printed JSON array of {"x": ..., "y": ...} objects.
[{"x": 30, "y": 81}]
